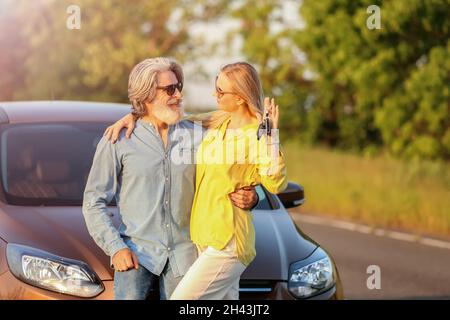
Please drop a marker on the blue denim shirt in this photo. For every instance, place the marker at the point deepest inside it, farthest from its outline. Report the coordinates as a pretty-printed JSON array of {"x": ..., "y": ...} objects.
[{"x": 154, "y": 188}]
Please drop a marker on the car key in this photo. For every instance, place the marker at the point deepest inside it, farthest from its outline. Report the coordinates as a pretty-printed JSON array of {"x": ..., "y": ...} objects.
[{"x": 264, "y": 126}]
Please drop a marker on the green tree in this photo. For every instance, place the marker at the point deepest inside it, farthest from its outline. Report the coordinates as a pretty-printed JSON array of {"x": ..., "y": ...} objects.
[
  {"x": 370, "y": 89},
  {"x": 383, "y": 86},
  {"x": 12, "y": 53}
]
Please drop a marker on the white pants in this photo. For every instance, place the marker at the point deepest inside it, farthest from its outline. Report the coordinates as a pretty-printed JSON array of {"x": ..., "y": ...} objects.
[{"x": 213, "y": 276}]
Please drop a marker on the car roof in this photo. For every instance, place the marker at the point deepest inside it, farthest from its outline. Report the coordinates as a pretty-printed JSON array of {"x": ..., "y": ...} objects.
[{"x": 61, "y": 111}]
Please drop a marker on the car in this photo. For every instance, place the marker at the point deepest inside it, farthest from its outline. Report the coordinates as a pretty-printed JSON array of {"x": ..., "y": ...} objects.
[{"x": 46, "y": 252}]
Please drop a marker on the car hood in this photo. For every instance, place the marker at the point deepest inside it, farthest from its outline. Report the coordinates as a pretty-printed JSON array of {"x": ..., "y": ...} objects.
[
  {"x": 62, "y": 231},
  {"x": 278, "y": 244},
  {"x": 58, "y": 230}
]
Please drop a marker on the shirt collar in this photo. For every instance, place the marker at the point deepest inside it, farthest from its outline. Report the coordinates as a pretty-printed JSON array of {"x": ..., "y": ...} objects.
[{"x": 151, "y": 127}]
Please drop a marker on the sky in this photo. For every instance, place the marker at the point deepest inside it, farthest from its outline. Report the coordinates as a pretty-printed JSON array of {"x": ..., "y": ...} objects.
[{"x": 198, "y": 91}]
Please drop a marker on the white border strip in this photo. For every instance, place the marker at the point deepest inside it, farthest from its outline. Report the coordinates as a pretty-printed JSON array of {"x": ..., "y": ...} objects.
[{"x": 351, "y": 226}]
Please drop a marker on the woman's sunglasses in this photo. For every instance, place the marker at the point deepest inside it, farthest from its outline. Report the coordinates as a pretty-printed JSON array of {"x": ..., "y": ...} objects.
[
  {"x": 170, "y": 90},
  {"x": 219, "y": 91}
]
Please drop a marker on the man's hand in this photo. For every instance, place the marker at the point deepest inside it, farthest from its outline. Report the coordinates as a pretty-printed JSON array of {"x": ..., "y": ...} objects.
[
  {"x": 245, "y": 198},
  {"x": 125, "y": 259}
]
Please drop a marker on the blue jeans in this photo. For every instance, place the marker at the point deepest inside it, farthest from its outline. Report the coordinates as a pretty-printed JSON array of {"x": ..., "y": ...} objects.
[{"x": 136, "y": 284}]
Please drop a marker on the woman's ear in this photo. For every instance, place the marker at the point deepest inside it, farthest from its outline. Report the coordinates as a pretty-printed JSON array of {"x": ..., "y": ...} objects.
[{"x": 240, "y": 101}]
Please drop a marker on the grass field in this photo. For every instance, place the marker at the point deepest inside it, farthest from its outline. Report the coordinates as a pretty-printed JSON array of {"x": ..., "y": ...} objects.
[{"x": 380, "y": 191}]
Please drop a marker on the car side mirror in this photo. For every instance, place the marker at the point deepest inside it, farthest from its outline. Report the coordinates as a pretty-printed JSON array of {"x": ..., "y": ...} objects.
[{"x": 292, "y": 196}]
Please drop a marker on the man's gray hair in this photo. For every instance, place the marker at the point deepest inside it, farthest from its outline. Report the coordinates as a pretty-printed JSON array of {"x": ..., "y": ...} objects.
[{"x": 143, "y": 81}]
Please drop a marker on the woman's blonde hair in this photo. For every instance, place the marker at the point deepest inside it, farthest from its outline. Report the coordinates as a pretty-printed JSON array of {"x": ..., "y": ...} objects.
[
  {"x": 245, "y": 83},
  {"x": 143, "y": 81}
]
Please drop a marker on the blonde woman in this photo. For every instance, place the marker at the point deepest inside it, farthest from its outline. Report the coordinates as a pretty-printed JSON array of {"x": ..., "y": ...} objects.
[{"x": 223, "y": 233}]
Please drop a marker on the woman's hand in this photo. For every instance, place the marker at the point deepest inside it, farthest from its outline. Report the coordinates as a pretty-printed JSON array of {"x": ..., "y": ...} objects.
[
  {"x": 272, "y": 108},
  {"x": 114, "y": 130}
]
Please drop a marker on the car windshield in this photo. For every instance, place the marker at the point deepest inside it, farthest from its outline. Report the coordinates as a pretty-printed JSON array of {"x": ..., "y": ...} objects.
[{"x": 47, "y": 163}]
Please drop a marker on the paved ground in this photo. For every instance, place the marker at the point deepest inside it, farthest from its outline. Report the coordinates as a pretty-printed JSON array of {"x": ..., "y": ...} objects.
[{"x": 409, "y": 270}]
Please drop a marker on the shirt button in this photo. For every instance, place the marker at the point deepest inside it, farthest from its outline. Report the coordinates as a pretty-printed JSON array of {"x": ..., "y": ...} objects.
[
  {"x": 167, "y": 225},
  {"x": 167, "y": 202},
  {"x": 167, "y": 178},
  {"x": 169, "y": 248}
]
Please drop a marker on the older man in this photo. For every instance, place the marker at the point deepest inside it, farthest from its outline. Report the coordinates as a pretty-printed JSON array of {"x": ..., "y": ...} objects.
[{"x": 154, "y": 194}]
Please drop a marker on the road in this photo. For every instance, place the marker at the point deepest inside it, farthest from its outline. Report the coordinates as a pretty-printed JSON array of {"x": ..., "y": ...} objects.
[{"x": 409, "y": 270}]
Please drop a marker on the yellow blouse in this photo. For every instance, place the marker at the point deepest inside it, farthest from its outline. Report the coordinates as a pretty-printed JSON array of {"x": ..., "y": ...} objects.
[{"x": 228, "y": 160}]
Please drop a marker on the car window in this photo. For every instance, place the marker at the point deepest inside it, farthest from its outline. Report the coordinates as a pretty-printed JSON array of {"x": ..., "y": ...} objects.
[
  {"x": 47, "y": 164},
  {"x": 263, "y": 203}
]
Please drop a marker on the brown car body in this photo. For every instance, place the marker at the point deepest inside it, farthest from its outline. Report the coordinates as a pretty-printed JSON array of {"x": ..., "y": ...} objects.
[{"x": 61, "y": 230}]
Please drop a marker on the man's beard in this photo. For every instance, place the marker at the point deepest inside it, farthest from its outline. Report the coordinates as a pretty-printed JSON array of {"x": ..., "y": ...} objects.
[{"x": 165, "y": 114}]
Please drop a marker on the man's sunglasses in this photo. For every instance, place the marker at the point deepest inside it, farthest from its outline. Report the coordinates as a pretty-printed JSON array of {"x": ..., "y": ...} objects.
[{"x": 170, "y": 89}]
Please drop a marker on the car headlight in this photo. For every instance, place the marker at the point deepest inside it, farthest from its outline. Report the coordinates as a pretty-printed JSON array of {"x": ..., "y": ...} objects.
[
  {"x": 311, "y": 276},
  {"x": 45, "y": 270}
]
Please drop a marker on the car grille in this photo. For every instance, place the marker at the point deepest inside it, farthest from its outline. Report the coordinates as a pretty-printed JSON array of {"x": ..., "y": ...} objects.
[{"x": 255, "y": 289}]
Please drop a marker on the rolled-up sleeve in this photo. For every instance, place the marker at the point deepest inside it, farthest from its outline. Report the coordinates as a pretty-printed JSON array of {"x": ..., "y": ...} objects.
[{"x": 101, "y": 188}]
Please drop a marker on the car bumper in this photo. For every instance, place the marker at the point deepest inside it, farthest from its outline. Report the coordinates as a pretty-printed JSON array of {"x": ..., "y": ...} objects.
[
  {"x": 280, "y": 291},
  {"x": 13, "y": 289}
]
